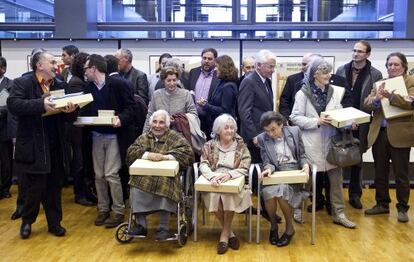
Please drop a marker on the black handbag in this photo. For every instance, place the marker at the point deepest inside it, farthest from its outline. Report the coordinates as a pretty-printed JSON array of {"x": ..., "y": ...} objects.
[{"x": 344, "y": 149}]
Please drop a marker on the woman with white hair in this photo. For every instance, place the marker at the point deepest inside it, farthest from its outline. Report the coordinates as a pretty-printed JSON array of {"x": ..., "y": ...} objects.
[
  {"x": 316, "y": 96},
  {"x": 223, "y": 158},
  {"x": 157, "y": 193}
]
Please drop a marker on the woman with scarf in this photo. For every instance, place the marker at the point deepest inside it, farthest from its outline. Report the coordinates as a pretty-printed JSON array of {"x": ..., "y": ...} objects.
[{"x": 316, "y": 96}]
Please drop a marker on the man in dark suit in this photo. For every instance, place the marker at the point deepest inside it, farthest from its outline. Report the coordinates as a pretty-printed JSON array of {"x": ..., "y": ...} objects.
[
  {"x": 255, "y": 98},
  {"x": 203, "y": 81},
  {"x": 138, "y": 78},
  {"x": 246, "y": 67},
  {"x": 292, "y": 86},
  {"x": 40, "y": 150},
  {"x": 6, "y": 135}
]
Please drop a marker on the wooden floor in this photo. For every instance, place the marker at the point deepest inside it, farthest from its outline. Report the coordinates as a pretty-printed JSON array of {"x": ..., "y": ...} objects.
[{"x": 379, "y": 238}]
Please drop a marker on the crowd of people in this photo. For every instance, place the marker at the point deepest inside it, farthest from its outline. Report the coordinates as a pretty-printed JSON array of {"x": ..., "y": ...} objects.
[{"x": 207, "y": 115}]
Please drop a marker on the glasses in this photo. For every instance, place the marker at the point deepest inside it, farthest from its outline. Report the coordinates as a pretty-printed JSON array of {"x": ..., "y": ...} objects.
[
  {"x": 269, "y": 66},
  {"x": 359, "y": 51}
]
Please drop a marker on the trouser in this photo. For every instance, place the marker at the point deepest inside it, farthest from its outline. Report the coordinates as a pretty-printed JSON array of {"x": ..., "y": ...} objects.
[
  {"x": 383, "y": 152},
  {"x": 6, "y": 160},
  {"x": 46, "y": 189},
  {"x": 355, "y": 181},
  {"x": 336, "y": 197},
  {"x": 355, "y": 176},
  {"x": 256, "y": 158},
  {"x": 76, "y": 162},
  {"x": 106, "y": 163},
  {"x": 322, "y": 182}
]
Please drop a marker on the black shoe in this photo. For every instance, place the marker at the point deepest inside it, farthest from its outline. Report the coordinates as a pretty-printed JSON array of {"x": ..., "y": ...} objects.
[
  {"x": 285, "y": 240},
  {"x": 25, "y": 230},
  {"x": 58, "y": 230},
  {"x": 355, "y": 202},
  {"x": 163, "y": 234},
  {"x": 273, "y": 237},
  {"x": 138, "y": 231},
  {"x": 17, "y": 214},
  {"x": 6, "y": 194},
  {"x": 84, "y": 202},
  {"x": 317, "y": 208}
]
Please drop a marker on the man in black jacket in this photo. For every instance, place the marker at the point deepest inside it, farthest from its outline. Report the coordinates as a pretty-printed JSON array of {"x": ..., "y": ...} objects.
[
  {"x": 360, "y": 76},
  {"x": 39, "y": 151},
  {"x": 7, "y": 126},
  {"x": 109, "y": 143},
  {"x": 203, "y": 80},
  {"x": 138, "y": 78}
]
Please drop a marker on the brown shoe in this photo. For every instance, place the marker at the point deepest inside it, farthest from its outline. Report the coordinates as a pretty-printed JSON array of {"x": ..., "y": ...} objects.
[
  {"x": 234, "y": 243},
  {"x": 100, "y": 219},
  {"x": 114, "y": 220},
  {"x": 222, "y": 248}
]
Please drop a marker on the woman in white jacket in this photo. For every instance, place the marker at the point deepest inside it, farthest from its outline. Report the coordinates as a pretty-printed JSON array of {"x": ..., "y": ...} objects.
[{"x": 316, "y": 96}]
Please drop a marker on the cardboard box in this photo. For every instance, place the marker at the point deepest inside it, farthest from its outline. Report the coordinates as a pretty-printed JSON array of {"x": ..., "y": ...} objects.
[
  {"x": 396, "y": 85},
  {"x": 346, "y": 116},
  {"x": 286, "y": 177},
  {"x": 61, "y": 100},
  {"x": 77, "y": 99},
  {"x": 231, "y": 186},
  {"x": 104, "y": 118},
  {"x": 143, "y": 167}
]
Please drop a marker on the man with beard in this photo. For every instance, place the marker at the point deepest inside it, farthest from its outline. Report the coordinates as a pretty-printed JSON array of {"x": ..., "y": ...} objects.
[
  {"x": 360, "y": 77},
  {"x": 203, "y": 81}
]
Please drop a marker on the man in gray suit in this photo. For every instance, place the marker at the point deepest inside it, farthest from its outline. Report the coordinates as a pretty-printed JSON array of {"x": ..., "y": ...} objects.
[
  {"x": 137, "y": 77},
  {"x": 255, "y": 98}
]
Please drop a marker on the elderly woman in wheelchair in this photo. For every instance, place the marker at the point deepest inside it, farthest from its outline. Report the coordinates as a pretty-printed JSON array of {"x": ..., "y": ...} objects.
[
  {"x": 281, "y": 149},
  {"x": 151, "y": 194},
  {"x": 223, "y": 158}
]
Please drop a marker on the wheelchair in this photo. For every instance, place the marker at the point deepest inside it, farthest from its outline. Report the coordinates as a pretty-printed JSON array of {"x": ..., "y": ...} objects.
[{"x": 184, "y": 214}]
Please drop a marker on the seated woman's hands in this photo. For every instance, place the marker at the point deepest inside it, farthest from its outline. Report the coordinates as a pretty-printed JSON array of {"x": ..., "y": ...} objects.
[
  {"x": 220, "y": 178},
  {"x": 265, "y": 173},
  {"x": 156, "y": 157}
]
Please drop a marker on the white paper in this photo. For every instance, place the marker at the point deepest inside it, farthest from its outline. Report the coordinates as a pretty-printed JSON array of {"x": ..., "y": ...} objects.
[{"x": 3, "y": 97}]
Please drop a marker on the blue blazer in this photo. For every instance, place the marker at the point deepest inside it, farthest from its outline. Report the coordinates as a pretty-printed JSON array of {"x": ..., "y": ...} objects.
[{"x": 222, "y": 100}]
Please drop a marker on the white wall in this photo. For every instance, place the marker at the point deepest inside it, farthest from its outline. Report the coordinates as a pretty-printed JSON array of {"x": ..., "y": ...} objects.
[{"x": 16, "y": 52}]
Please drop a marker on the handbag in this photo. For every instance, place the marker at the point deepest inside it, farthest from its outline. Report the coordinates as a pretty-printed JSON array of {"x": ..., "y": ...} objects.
[{"x": 344, "y": 149}]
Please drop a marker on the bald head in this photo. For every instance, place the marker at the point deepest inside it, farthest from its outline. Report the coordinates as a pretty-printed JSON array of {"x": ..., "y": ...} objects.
[
  {"x": 306, "y": 59},
  {"x": 248, "y": 64}
]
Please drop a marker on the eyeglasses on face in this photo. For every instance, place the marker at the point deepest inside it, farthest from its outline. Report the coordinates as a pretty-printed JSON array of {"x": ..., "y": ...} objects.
[{"x": 358, "y": 51}]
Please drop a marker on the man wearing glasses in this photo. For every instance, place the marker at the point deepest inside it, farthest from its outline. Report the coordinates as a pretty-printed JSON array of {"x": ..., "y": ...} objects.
[{"x": 360, "y": 76}]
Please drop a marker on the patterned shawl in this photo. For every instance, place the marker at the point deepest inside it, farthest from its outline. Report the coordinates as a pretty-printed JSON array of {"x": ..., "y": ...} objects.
[{"x": 170, "y": 143}]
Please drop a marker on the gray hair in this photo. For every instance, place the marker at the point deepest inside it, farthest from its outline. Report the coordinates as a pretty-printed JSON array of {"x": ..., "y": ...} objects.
[
  {"x": 264, "y": 55},
  {"x": 248, "y": 57},
  {"x": 220, "y": 122},
  {"x": 161, "y": 112},
  {"x": 126, "y": 53},
  {"x": 175, "y": 62},
  {"x": 316, "y": 64}
]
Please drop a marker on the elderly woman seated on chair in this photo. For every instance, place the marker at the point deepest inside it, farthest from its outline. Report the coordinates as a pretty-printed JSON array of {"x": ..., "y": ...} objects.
[
  {"x": 157, "y": 193},
  {"x": 223, "y": 158},
  {"x": 281, "y": 149}
]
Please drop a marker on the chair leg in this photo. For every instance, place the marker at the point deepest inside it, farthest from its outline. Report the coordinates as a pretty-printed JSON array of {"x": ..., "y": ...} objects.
[{"x": 195, "y": 215}]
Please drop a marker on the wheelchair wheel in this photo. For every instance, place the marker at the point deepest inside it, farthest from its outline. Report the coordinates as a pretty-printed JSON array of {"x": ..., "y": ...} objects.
[
  {"x": 182, "y": 234},
  {"x": 121, "y": 233}
]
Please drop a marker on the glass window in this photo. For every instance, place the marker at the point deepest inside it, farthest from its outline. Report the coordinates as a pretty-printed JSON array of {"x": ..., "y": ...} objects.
[
  {"x": 31, "y": 12},
  {"x": 174, "y": 11},
  {"x": 323, "y": 34},
  {"x": 334, "y": 10}
]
